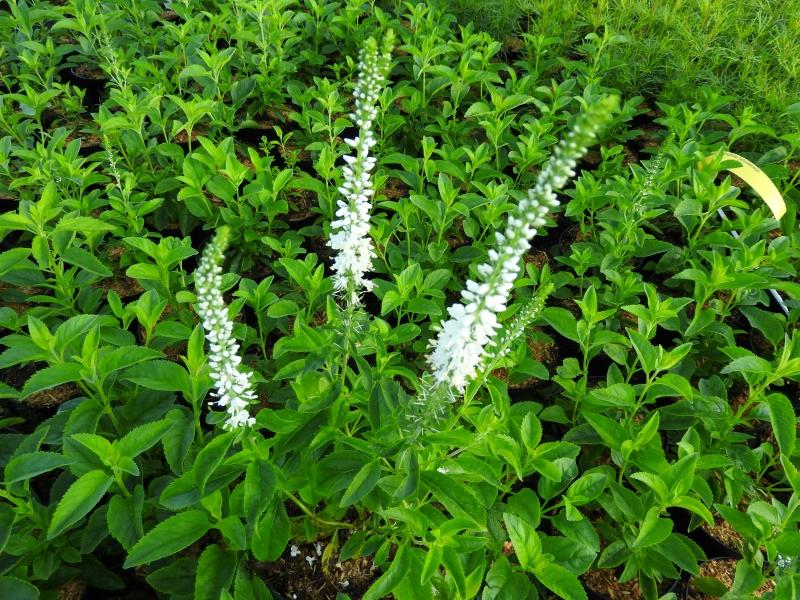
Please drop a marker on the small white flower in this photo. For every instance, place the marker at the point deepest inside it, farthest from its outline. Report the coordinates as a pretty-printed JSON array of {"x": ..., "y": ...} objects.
[
  {"x": 294, "y": 551},
  {"x": 234, "y": 388},
  {"x": 350, "y": 237},
  {"x": 318, "y": 548},
  {"x": 460, "y": 345},
  {"x": 310, "y": 560}
]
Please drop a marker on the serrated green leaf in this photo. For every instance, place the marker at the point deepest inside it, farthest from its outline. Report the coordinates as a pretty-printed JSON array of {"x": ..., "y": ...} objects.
[
  {"x": 561, "y": 582},
  {"x": 168, "y": 537},
  {"x": 81, "y": 497},
  {"x": 362, "y": 484},
  {"x": 50, "y": 377},
  {"x": 784, "y": 422},
  {"x": 86, "y": 261},
  {"x": 525, "y": 540},
  {"x": 392, "y": 577},
  {"x": 142, "y": 438},
  {"x": 215, "y": 571},
  {"x": 29, "y": 465}
]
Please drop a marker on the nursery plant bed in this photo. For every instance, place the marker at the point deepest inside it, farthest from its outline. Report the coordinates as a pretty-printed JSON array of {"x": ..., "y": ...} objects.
[
  {"x": 717, "y": 577},
  {"x": 720, "y": 541},
  {"x": 257, "y": 315},
  {"x": 295, "y": 575},
  {"x": 602, "y": 584}
]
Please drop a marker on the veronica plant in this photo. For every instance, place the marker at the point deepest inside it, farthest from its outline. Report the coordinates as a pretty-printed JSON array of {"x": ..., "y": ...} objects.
[
  {"x": 460, "y": 345},
  {"x": 234, "y": 386},
  {"x": 350, "y": 232}
]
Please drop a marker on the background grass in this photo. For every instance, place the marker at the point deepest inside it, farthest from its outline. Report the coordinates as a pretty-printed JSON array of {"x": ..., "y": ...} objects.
[{"x": 669, "y": 49}]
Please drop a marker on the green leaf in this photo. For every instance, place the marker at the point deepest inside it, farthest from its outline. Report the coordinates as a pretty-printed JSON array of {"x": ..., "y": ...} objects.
[
  {"x": 749, "y": 364},
  {"x": 124, "y": 357},
  {"x": 619, "y": 395},
  {"x": 29, "y": 465},
  {"x": 168, "y": 537},
  {"x": 587, "y": 488},
  {"x": 259, "y": 489},
  {"x": 677, "y": 549},
  {"x": 7, "y": 515},
  {"x": 282, "y": 308},
  {"x": 455, "y": 570},
  {"x": 362, "y": 484},
  {"x": 433, "y": 559},
  {"x": 502, "y": 582},
  {"x": 11, "y": 259},
  {"x": 788, "y": 543},
  {"x": 124, "y": 518},
  {"x": 210, "y": 458},
  {"x": 178, "y": 439},
  {"x": 50, "y": 377},
  {"x": 17, "y": 589},
  {"x": 95, "y": 530},
  {"x": 83, "y": 225},
  {"x": 784, "y": 422},
  {"x": 81, "y": 497},
  {"x": 215, "y": 571},
  {"x": 86, "y": 261},
  {"x": 531, "y": 431},
  {"x": 456, "y": 497},
  {"x": 143, "y": 271},
  {"x": 410, "y": 482},
  {"x": 562, "y": 321},
  {"x": 653, "y": 531},
  {"x": 560, "y": 581},
  {"x": 142, "y": 438},
  {"x": 525, "y": 540},
  {"x": 525, "y": 503},
  {"x": 176, "y": 579},
  {"x": 710, "y": 586},
  {"x": 647, "y": 353},
  {"x": 392, "y": 577},
  {"x": 608, "y": 429},
  {"x": 160, "y": 375},
  {"x": 272, "y": 532}
]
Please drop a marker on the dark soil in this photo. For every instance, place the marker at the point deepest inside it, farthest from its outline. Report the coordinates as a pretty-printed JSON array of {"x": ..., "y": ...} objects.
[{"x": 301, "y": 574}]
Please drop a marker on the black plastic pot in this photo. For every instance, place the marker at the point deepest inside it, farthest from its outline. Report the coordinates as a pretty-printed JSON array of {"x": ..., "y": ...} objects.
[
  {"x": 93, "y": 87},
  {"x": 713, "y": 546}
]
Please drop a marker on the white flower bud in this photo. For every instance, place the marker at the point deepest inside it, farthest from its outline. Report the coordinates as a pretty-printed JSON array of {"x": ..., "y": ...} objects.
[{"x": 234, "y": 388}]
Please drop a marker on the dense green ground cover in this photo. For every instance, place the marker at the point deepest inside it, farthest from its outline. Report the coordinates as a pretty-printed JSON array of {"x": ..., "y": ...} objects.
[
  {"x": 748, "y": 50},
  {"x": 648, "y": 385}
]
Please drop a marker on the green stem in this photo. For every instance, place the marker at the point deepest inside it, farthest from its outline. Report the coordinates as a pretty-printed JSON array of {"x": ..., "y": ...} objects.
[{"x": 317, "y": 519}]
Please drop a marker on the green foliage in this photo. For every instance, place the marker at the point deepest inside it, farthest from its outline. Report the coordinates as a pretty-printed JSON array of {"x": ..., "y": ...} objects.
[{"x": 661, "y": 376}]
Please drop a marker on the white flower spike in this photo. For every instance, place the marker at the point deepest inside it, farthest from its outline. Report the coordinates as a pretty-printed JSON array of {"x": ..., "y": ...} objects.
[
  {"x": 460, "y": 345},
  {"x": 234, "y": 386},
  {"x": 350, "y": 231}
]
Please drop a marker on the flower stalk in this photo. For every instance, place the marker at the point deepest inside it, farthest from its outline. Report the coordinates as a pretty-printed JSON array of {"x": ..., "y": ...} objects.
[
  {"x": 234, "y": 388},
  {"x": 460, "y": 346},
  {"x": 350, "y": 237}
]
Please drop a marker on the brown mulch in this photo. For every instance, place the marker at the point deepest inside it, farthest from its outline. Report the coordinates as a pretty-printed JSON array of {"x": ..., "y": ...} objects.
[{"x": 724, "y": 571}]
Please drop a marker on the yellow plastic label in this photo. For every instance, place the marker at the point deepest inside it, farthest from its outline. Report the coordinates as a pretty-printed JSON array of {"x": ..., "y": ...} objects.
[{"x": 759, "y": 181}]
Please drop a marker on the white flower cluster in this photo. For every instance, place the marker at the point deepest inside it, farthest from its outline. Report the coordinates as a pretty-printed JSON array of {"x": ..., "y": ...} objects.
[
  {"x": 234, "y": 388},
  {"x": 350, "y": 237},
  {"x": 460, "y": 345}
]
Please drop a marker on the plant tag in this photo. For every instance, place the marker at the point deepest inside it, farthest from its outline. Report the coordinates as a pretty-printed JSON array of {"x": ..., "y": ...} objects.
[{"x": 759, "y": 181}]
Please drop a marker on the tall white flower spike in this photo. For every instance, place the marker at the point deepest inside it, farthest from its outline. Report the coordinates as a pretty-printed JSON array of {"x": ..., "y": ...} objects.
[
  {"x": 233, "y": 382},
  {"x": 461, "y": 343},
  {"x": 350, "y": 237}
]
